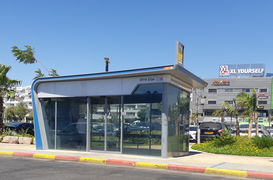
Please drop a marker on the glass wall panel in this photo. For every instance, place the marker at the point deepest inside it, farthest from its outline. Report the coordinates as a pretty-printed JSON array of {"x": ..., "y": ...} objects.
[
  {"x": 178, "y": 122},
  {"x": 142, "y": 121},
  {"x": 48, "y": 112},
  {"x": 97, "y": 123},
  {"x": 71, "y": 123},
  {"x": 113, "y": 124}
]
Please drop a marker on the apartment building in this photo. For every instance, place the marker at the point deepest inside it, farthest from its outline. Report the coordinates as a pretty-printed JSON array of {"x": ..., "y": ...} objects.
[{"x": 22, "y": 93}]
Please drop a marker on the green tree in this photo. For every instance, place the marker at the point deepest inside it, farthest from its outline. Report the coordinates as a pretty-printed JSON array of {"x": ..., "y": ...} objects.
[
  {"x": 21, "y": 109},
  {"x": 141, "y": 114},
  {"x": 39, "y": 74},
  {"x": 234, "y": 111},
  {"x": 30, "y": 115},
  {"x": 10, "y": 112},
  {"x": 195, "y": 116},
  {"x": 220, "y": 113},
  {"x": 27, "y": 57},
  {"x": 249, "y": 103},
  {"x": 6, "y": 89},
  {"x": 54, "y": 73}
]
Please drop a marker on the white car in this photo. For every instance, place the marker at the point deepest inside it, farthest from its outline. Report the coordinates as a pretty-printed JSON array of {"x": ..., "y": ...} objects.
[
  {"x": 192, "y": 132},
  {"x": 244, "y": 130},
  {"x": 271, "y": 132}
]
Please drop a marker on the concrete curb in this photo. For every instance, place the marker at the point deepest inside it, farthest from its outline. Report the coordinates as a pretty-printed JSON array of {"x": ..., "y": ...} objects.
[{"x": 225, "y": 172}]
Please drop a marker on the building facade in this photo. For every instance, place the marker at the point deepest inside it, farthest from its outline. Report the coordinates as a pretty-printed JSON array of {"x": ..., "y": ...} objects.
[
  {"x": 21, "y": 94},
  {"x": 224, "y": 89}
]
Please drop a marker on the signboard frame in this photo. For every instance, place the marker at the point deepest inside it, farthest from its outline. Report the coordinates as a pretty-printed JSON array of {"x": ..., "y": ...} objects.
[
  {"x": 242, "y": 70},
  {"x": 179, "y": 53}
]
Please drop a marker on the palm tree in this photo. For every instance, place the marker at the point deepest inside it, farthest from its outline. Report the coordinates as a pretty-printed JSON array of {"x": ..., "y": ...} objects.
[
  {"x": 54, "y": 73},
  {"x": 249, "y": 102},
  {"x": 6, "y": 85},
  {"x": 38, "y": 74},
  {"x": 26, "y": 56},
  {"x": 233, "y": 110},
  {"x": 195, "y": 116},
  {"x": 220, "y": 113}
]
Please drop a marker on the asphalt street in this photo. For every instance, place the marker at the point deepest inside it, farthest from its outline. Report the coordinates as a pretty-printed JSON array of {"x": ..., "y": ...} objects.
[{"x": 32, "y": 169}]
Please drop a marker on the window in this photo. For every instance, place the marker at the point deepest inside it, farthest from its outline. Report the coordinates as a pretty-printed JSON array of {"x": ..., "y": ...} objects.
[
  {"x": 262, "y": 113},
  {"x": 209, "y": 125},
  {"x": 209, "y": 112},
  {"x": 228, "y": 90},
  {"x": 262, "y": 102},
  {"x": 262, "y": 90},
  {"x": 212, "y": 90},
  {"x": 246, "y": 90},
  {"x": 211, "y": 102},
  {"x": 230, "y": 102}
]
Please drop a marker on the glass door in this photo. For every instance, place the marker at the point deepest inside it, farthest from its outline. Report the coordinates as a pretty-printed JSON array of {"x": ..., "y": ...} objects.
[
  {"x": 113, "y": 123},
  {"x": 97, "y": 122},
  {"x": 105, "y": 123}
]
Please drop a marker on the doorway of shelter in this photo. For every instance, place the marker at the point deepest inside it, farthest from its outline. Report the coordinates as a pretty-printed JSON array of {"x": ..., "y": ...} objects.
[{"x": 105, "y": 123}]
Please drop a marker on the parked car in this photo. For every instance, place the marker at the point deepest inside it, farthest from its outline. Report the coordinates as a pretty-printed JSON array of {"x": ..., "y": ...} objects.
[
  {"x": 19, "y": 126},
  {"x": 244, "y": 130},
  {"x": 271, "y": 133},
  {"x": 211, "y": 129},
  {"x": 192, "y": 132},
  {"x": 144, "y": 126}
]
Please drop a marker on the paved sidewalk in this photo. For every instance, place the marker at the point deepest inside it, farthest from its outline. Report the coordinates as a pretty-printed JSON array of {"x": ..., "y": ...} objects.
[{"x": 259, "y": 167}]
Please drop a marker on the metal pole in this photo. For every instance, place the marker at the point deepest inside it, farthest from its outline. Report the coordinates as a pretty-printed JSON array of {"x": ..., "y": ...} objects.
[
  {"x": 56, "y": 119},
  {"x": 198, "y": 128},
  {"x": 88, "y": 125},
  {"x": 107, "y": 61}
]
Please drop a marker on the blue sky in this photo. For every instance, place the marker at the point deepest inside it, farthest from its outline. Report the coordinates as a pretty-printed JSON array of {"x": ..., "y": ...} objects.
[{"x": 73, "y": 37}]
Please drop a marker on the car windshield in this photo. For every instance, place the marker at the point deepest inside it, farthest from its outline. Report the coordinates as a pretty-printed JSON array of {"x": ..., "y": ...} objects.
[
  {"x": 247, "y": 126},
  {"x": 193, "y": 128},
  {"x": 210, "y": 125}
]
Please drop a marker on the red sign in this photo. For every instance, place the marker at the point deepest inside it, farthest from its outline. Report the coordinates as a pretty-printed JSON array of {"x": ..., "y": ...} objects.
[
  {"x": 262, "y": 95},
  {"x": 222, "y": 82}
]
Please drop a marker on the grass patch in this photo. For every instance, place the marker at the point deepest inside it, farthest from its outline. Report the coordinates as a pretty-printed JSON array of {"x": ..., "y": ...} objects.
[{"x": 241, "y": 146}]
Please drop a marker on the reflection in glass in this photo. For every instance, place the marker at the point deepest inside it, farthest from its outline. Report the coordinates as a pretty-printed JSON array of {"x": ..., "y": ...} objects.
[
  {"x": 142, "y": 121},
  {"x": 113, "y": 124},
  {"x": 71, "y": 123},
  {"x": 48, "y": 112},
  {"x": 178, "y": 124},
  {"x": 97, "y": 123}
]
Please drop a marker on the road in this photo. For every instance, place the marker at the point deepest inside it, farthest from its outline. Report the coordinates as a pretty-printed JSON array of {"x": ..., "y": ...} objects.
[{"x": 26, "y": 168}]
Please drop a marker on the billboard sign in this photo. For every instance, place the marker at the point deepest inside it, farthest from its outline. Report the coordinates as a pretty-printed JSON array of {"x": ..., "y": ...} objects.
[
  {"x": 262, "y": 96},
  {"x": 242, "y": 70},
  {"x": 179, "y": 53}
]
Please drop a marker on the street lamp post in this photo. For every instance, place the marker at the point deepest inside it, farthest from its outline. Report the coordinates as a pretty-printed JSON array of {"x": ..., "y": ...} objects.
[{"x": 107, "y": 61}]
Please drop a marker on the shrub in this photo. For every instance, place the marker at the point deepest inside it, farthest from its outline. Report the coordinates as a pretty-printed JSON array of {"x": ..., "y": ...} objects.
[
  {"x": 23, "y": 133},
  {"x": 8, "y": 132},
  {"x": 224, "y": 139},
  {"x": 263, "y": 142},
  {"x": 243, "y": 147}
]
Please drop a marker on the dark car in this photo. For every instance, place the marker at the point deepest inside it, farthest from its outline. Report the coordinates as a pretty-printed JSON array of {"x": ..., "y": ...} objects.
[
  {"x": 211, "y": 129},
  {"x": 144, "y": 126},
  {"x": 21, "y": 126}
]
